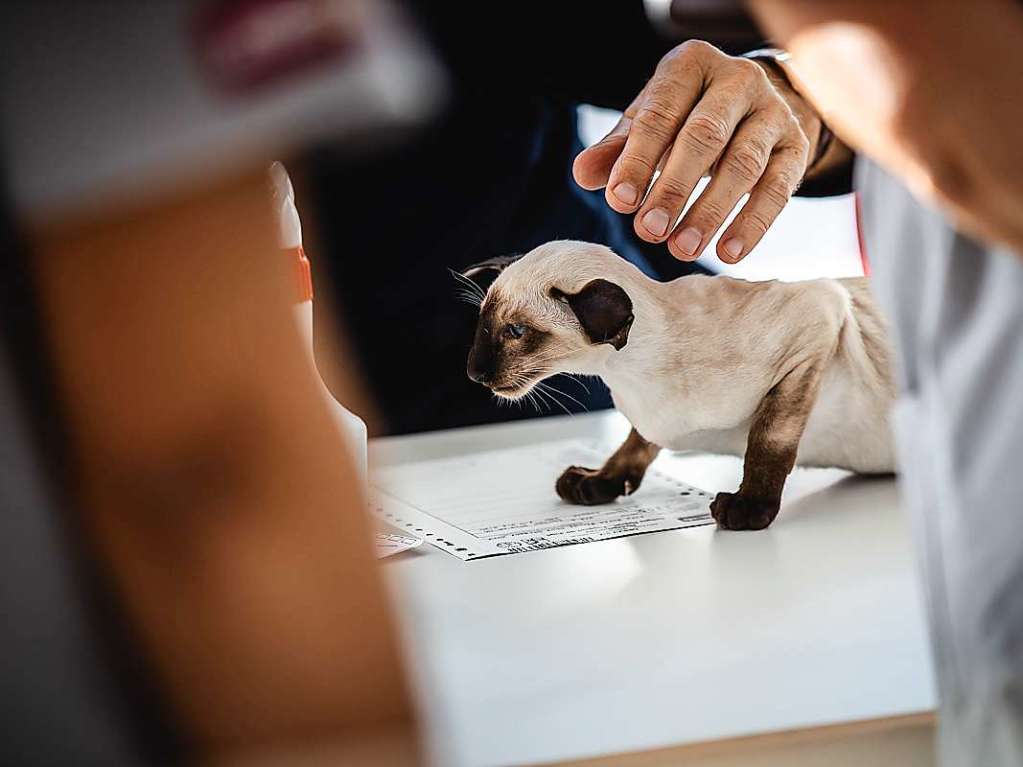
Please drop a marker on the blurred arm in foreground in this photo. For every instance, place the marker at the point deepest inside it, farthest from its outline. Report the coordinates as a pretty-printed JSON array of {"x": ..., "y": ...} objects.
[
  {"x": 207, "y": 484},
  {"x": 928, "y": 90},
  {"x": 927, "y": 94},
  {"x": 211, "y": 480}
]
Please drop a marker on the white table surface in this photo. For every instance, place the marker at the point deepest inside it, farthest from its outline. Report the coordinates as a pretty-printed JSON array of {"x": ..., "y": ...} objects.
[{"x": 666, "y": 639}]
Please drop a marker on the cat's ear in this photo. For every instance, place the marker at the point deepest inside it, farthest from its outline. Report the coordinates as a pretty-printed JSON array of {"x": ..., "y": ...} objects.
[
  {"x": 496, "y": 265},
  {"x": 604, "y": 311}
]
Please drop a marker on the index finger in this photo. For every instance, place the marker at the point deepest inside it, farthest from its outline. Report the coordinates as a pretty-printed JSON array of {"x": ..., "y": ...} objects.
[
  {"x": 667, "y": 101},
  {"x": 592, "y": 166}
]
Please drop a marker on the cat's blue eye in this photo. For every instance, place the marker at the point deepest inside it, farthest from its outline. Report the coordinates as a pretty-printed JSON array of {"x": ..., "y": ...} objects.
[{"x": 515, "y": 331}]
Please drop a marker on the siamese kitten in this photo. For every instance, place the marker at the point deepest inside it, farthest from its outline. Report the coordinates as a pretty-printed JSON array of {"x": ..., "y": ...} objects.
[{"x": 778, "y": 372}]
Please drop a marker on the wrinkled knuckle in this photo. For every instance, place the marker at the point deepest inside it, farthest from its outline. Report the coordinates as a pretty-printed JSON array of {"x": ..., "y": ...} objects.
[
  {"x": 635, "y": 168},
  {"x": 696, "y": 48},
  {"x": 778, "y": 115},
  {"x": 671, "y": 78},
  {"x": 791, "y": 128},
  {"x": 746, "y": 162},
  {"x": 757, "y": 222},
  {"x": 657, "y": 121},
  {"x": 778, "y": 189},
  {"x": 791, "y": 162},
  {"x": 706, "y": 132},
  {"x": 707, "y": 215},
  {"x": 669, "y": 192},
  {"x": 748, "y": 71},
  {"x": 672, "y": 58},
  {"x": 790, "y": 173},
  {"x": 762, "y": 142}
]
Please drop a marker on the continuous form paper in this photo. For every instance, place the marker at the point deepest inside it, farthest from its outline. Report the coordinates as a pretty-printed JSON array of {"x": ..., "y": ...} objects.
[
  {"x": 393, "y": 543},
  {"x": 503, "y": 501}
]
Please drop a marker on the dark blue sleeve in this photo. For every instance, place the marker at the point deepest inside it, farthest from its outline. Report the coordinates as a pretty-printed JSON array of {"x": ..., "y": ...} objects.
[{"x": 579, "y": 51}]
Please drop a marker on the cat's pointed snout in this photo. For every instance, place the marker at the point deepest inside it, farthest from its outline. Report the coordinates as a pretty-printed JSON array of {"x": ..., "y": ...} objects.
[{"x": 478, "y": 373}]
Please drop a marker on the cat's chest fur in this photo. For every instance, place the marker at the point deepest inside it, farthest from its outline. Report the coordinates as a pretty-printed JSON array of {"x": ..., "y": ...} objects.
[{"x": 669, "y": 409}]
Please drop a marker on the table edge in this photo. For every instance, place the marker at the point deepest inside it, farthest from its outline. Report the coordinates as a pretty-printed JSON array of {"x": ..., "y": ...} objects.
[{"x": 740, "y": 744}]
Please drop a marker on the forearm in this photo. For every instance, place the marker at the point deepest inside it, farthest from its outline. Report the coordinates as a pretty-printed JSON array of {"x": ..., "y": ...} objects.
[
  {"x": 207, "y": 475},
  {"x": 928, "y": 92}
]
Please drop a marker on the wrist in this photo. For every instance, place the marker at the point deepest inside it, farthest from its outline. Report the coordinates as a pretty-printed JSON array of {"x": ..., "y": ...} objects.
[{"x": 774, "y": 63}]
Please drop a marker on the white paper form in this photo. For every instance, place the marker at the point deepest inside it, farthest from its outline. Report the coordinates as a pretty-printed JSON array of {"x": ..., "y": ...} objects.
[
  {"x": 503, "y": 501},
  {"x": 388, "y": 544},
  {"x": 388, "y": 539}
]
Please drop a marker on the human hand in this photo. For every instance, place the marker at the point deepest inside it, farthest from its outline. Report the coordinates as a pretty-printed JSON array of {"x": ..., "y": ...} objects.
[{"x": 704, "y": 113}]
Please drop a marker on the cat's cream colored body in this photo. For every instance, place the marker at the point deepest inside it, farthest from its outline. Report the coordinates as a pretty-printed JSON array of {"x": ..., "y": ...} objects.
[{"x": 704, "y": 351}]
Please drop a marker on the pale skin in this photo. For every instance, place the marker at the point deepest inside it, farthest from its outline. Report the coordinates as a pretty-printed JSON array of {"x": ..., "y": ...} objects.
[
  {"x": 707, "y": 113},
  {"x": 928, "y": 90}
]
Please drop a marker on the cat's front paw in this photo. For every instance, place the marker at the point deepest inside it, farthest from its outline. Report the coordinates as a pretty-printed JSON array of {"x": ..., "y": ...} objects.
[
  {"x": 588, "y": 487},
  {"x": 737, "y": 512}
]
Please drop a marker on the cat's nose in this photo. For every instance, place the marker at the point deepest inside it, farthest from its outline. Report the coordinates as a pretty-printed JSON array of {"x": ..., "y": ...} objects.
[
  {"x": 478, "y": 373},
  {"x": 481, "y": 366}
]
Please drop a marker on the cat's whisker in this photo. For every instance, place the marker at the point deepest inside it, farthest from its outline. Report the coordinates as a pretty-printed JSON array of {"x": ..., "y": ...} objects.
[
  {"x": 549, "y": 395},
  {"x": 472, "y": 286},
  {"x": 542, "y": 390},
  {"x": 531, "y": 397},
  {"x": 576, "y": 379},
  {"x": 469, "y": 298},
  {"x": 562, "y": 393}
]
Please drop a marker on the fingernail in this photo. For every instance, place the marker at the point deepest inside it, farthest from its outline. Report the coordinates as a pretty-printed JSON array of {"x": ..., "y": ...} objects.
[
  {"x": 688, "y": 240},
  {"x": 656, "y": 222},
  {"x": 626, "y": 193},
  {"x": 733, "y": 248}
]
